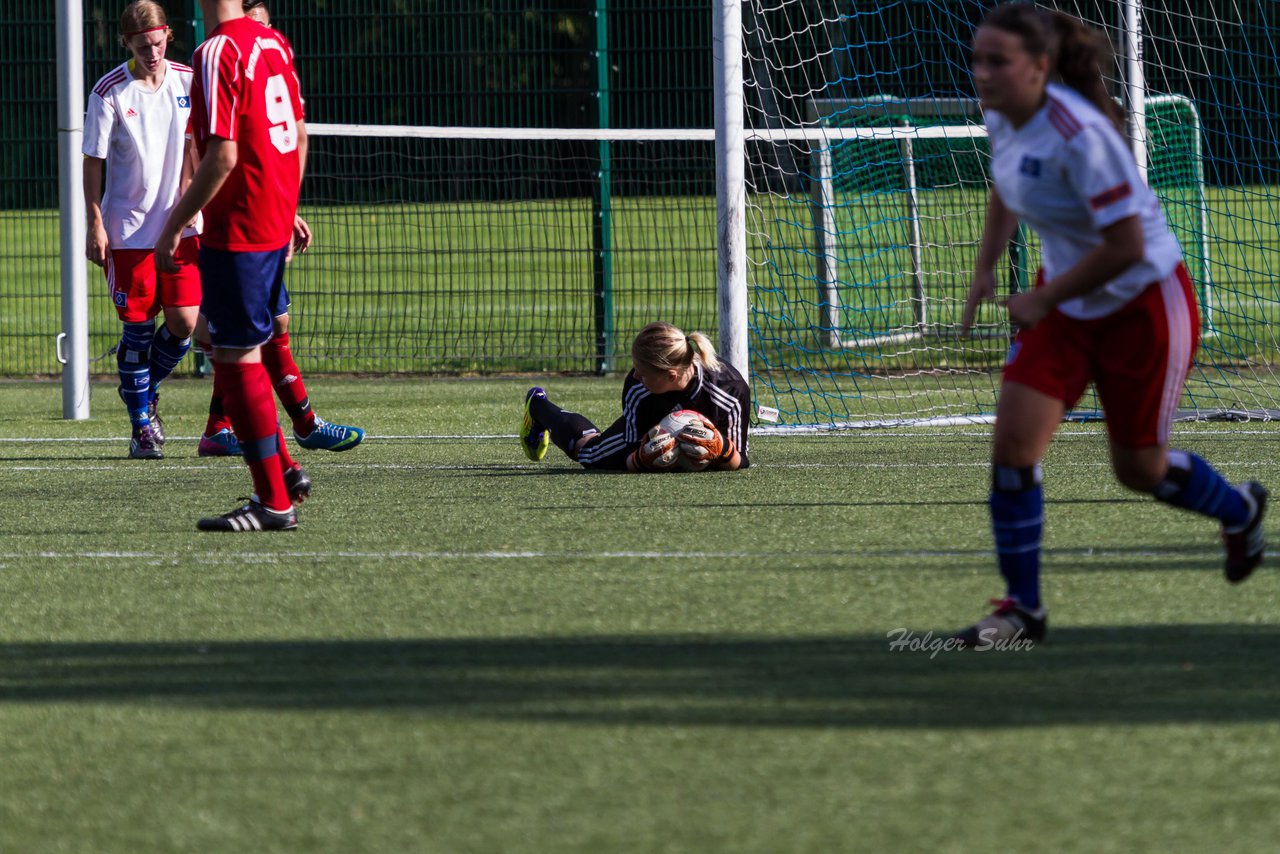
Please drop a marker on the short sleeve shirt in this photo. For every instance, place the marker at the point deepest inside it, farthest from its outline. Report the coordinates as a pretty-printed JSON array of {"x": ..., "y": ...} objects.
[
  {"x": 1068, "y": 174},
  {"x": 141, "y": 134},
  {"x": 246, "y": 90}
]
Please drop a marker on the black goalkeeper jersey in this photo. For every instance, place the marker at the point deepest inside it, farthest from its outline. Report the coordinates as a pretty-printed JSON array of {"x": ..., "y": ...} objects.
[{"x": 721, "y": 395}]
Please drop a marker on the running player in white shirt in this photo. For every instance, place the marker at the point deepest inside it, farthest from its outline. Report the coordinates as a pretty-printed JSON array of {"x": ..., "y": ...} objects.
[
  {"x": 135, "y": 133},
  {"x": 1113, "y": 304}
]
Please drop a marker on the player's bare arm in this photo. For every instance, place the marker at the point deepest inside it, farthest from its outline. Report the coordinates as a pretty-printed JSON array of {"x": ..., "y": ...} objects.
[
  {"x": 1001, "y": 223},
  {"x": 96, "y": 243},
  {"x": 1121, "y": 248},
  {"x": 220, "y": 159},
  {"x": 190, "y": 160},
  {"x": 303, "y": 147},
  {"x": 301, "y": 241},
  {"x": 732, "y": 463}
]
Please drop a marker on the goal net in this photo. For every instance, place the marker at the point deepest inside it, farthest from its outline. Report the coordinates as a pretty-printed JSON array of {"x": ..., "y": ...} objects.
[
  {"x": 864, "y": 216},
  {"x": 460, "y": 250}
]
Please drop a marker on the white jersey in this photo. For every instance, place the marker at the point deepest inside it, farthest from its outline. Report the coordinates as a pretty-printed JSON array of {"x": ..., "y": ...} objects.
[
  {"x": 1068, "y": 174},
  {"x": 141, "y": 134}
]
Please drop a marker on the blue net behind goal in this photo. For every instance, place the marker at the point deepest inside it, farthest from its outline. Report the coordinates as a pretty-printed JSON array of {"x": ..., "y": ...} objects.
[{"x": 862, "y": 248}]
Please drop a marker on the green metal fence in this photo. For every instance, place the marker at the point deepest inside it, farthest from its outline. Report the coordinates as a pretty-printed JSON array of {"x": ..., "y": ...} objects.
[
  {"x": 485, "y": 256},
  {"x": 419, "y": 264}
]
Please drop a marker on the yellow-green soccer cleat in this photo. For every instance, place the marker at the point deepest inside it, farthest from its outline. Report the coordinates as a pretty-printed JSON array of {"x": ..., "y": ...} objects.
[{"x": 534, "y": 438}]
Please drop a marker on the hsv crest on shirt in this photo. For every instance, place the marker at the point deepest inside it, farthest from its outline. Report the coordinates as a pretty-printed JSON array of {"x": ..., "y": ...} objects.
[{"x": 246, "y": 91}]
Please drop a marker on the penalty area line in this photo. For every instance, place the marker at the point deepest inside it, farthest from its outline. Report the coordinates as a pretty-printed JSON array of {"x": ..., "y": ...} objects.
[
  {"x": 672, "y": 555},
  {"x": 761, "y": 433}
]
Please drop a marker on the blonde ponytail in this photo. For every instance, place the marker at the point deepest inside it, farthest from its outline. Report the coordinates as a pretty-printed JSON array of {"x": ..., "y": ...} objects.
[
  {"x": 703, "y": 350},
  {"x": 663, "y": 347}
]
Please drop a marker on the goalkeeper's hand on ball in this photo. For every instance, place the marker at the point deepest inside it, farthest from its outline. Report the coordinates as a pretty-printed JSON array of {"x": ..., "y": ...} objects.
[
  {"x": 701, "y": 444},
  {"x": 658, "y": 452}
]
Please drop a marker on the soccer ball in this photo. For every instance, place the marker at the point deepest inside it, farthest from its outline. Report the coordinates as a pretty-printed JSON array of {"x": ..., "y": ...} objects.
[{"x": 673, "y": 424}]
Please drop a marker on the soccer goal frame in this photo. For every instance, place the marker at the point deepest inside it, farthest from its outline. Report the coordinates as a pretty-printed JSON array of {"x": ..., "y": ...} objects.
[
  {"x": 823, "y": 202},
  {"x": 926, "y": 118}
]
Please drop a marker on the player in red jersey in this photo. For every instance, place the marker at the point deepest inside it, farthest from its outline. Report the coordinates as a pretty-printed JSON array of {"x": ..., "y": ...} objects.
[
  {"x": 309, "y": 429},
  {"x": 134, "y": 141},
  {"x": 248, "y": 125}
]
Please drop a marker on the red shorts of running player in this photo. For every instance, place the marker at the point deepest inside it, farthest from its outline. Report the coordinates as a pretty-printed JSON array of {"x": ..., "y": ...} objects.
[
  {"x": 139, "y": 293},
  {"x": 1137, "y": 358}
]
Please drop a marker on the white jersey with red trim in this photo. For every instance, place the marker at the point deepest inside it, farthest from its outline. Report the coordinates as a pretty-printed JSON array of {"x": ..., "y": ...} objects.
[
  {"x": 141, "y": 134},
  {"x": 1068, "y": 173}
]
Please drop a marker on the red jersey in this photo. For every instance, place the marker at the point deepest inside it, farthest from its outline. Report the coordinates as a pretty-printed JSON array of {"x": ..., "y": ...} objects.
[{"x": 246, "y": 90}]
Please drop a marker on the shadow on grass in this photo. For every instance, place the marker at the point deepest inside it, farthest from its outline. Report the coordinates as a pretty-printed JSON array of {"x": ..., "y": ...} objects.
[
  {"x": 105, "y": 460},
  {"x": 1115, "y": 675},
  {"x": 750, "y": 502}
]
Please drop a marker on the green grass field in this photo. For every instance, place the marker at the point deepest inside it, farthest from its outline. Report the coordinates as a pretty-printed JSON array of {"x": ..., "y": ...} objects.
[{"x": 463, "y": 651}]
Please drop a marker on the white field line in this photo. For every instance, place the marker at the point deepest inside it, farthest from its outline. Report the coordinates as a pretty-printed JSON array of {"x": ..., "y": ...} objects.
[
  {"x": 125, "y": 464},
  {"x": 771, "y": 557},
  {"x": 831, "y": 435},
  {"x": 92, "y": 439}
]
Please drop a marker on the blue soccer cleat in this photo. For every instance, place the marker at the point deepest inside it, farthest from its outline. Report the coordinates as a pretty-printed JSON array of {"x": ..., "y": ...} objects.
[
  {"x": 221, "y": 444},
  {"x": 534, "y": 438},
  {"x": 330, "y": 437}
]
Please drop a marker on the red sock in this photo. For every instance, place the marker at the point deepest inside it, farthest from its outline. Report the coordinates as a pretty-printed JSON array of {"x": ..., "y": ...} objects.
[
  {"x": 287, "y": 380},
  {"x": 246, "y": 394},
  {"x": 218, "y": 419},
  {"x": 286, "y": 461}
]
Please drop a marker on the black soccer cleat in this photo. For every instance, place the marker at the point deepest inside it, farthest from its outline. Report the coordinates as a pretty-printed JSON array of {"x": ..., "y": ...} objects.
[
  {"x": 1008, "y": 623},
  {"x": 298, "y": 484},
  {"x": 251, "y": 517},
  {"x": 1247, "y": 545}
]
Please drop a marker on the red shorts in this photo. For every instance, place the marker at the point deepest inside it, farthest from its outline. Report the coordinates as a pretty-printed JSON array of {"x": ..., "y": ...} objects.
[
  {"x": 1137, "y": 358},
  {"x": 139, "y": 293}
]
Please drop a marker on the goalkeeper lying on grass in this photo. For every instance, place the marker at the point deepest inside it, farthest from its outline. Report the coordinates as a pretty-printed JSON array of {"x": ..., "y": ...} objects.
[{"x": 671, "y": 372}]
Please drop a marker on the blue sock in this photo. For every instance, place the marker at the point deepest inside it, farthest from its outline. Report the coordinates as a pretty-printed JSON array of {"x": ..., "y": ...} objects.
[
  {"x": 133, "y": 361},
  {"x": 1194, "y": 485},
  {"x": 1017, "y": 520},
  {"x": 166, "y": 352}
]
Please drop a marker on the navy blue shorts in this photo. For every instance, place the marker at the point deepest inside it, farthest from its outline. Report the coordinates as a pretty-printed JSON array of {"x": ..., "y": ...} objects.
[{"x": 243, "y": 293}]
